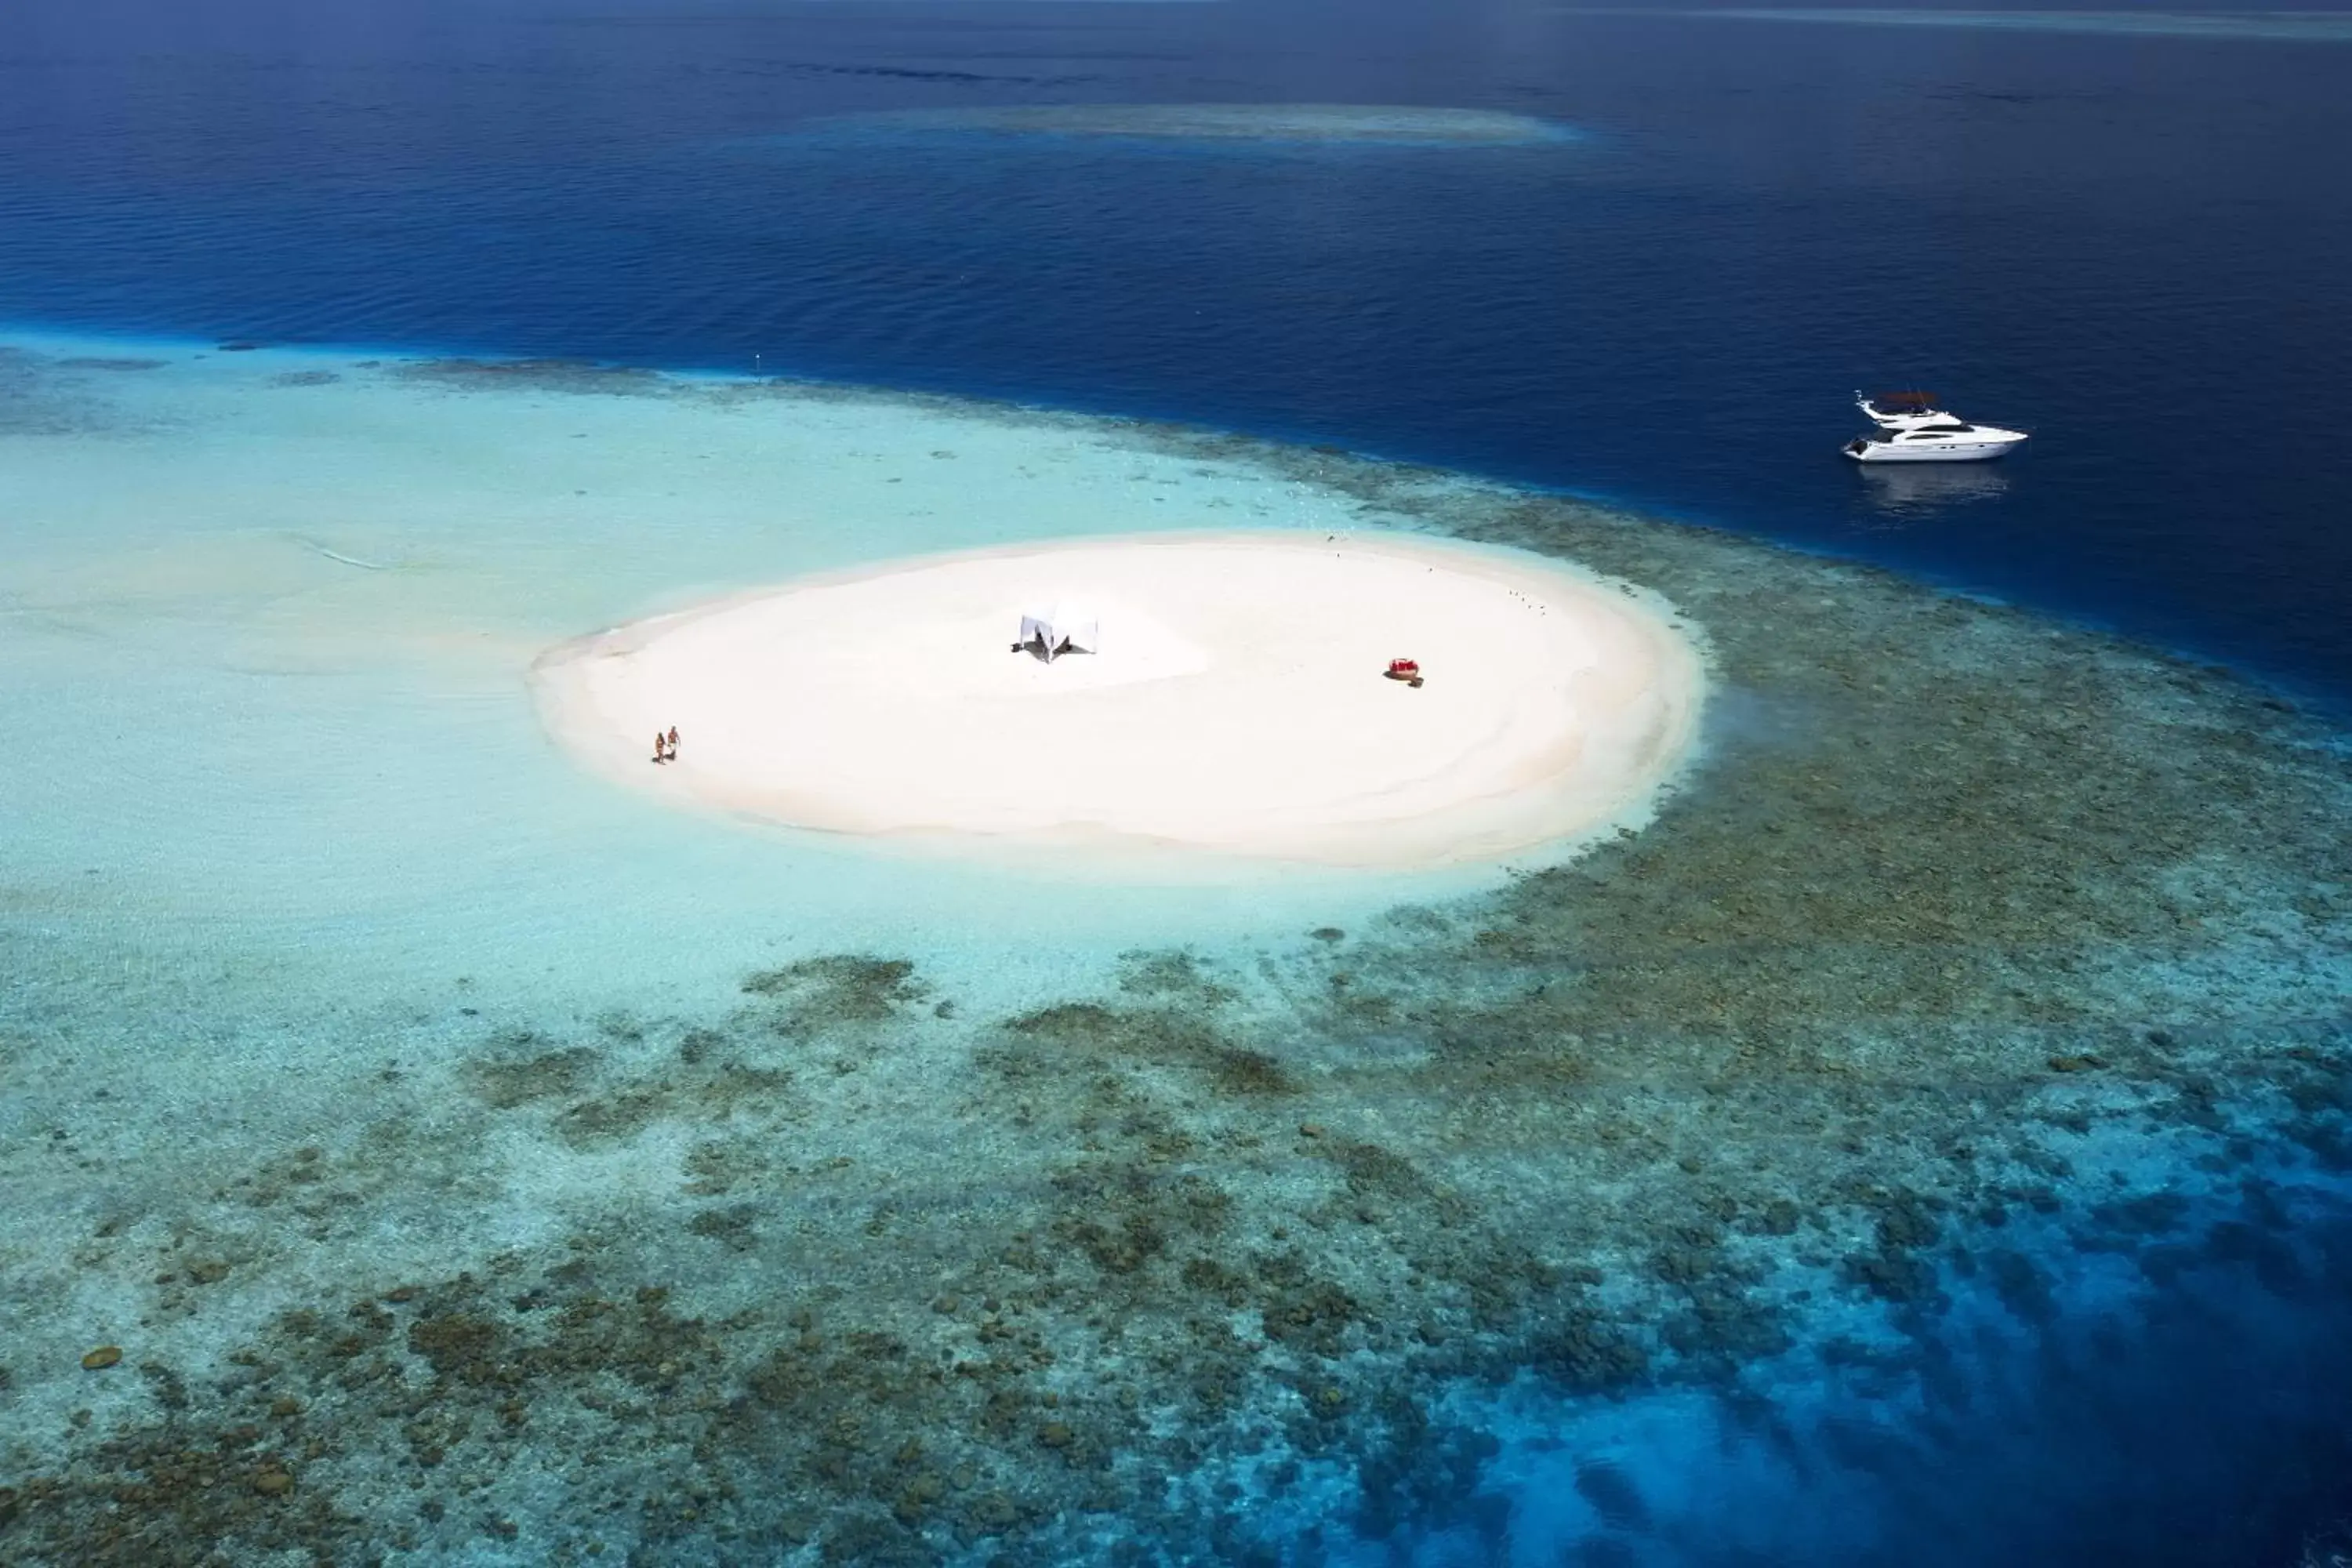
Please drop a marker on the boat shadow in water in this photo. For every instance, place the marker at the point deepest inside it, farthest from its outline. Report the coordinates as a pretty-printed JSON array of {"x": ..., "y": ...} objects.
[{"x": 1892, "y": 495}]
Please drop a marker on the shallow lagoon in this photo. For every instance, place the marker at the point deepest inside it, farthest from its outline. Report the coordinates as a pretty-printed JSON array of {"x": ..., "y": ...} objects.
[{"x": 1861, "y": 1162}]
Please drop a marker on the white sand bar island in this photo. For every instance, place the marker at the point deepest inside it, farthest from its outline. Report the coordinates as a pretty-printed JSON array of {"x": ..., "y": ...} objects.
[{"x": 1236, "y": 703}]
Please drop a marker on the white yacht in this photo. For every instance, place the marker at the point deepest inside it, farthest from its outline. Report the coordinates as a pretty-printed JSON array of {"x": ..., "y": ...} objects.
[{"x": 1911, "y": 429}]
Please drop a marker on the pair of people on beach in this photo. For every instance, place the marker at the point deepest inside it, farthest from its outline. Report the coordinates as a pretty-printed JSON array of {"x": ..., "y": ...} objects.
[{"x": 666, "y": 746}]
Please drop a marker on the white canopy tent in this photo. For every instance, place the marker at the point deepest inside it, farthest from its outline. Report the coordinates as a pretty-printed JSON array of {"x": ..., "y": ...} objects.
[{"x": 1058, "y": 629}]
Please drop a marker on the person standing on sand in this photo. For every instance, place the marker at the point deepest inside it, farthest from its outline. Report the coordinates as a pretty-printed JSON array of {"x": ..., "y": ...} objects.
[
  {"x": 661, "y": 754},
  {"x": 673, "y": 743}
]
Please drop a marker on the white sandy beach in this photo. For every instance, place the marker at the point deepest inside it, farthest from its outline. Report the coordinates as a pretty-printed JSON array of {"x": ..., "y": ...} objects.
[{"x": 1236, "y": 704}]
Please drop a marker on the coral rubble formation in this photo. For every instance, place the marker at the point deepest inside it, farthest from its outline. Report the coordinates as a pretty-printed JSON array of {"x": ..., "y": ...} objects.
[{"x": 1978, "y": 946}]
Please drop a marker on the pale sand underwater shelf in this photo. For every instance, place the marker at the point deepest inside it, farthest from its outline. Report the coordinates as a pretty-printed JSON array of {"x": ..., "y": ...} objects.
[
  {"x": 531, "y": 1173},
  {"x": 1236, "y": 702},
  {"x": 1385, "y": 126}
]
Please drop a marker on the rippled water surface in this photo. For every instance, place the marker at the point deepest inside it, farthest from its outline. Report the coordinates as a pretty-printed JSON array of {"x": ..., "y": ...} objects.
[
  {"x": 2127, "y": 245},
  {"x": 1925, "y": 1141}
]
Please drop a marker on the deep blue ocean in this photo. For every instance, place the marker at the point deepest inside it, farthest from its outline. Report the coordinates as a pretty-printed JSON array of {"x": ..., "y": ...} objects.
[
  {"x": 2137, "y": 247},
  {"x": 2132, "y": 246}
]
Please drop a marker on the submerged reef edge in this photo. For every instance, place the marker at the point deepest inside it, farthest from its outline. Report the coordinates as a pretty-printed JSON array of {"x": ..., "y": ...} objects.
[{"x": 1978, "y": 946}]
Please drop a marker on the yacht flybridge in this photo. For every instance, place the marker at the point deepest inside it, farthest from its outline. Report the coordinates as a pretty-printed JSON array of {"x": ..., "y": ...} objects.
[{"x": 1911, "y": 429}]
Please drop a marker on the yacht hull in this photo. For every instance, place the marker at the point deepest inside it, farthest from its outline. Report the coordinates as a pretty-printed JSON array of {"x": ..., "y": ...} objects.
[{"x": 1981, "y": 451}]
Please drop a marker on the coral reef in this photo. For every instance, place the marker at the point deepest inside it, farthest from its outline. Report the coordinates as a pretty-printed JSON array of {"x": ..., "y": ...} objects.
[{"x": 1977, "y": 947}]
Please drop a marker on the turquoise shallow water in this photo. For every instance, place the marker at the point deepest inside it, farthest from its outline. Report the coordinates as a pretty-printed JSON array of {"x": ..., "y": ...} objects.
[
  {"x": 286, "y": 633},
  {"x": 1925, "y": 1141}
]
